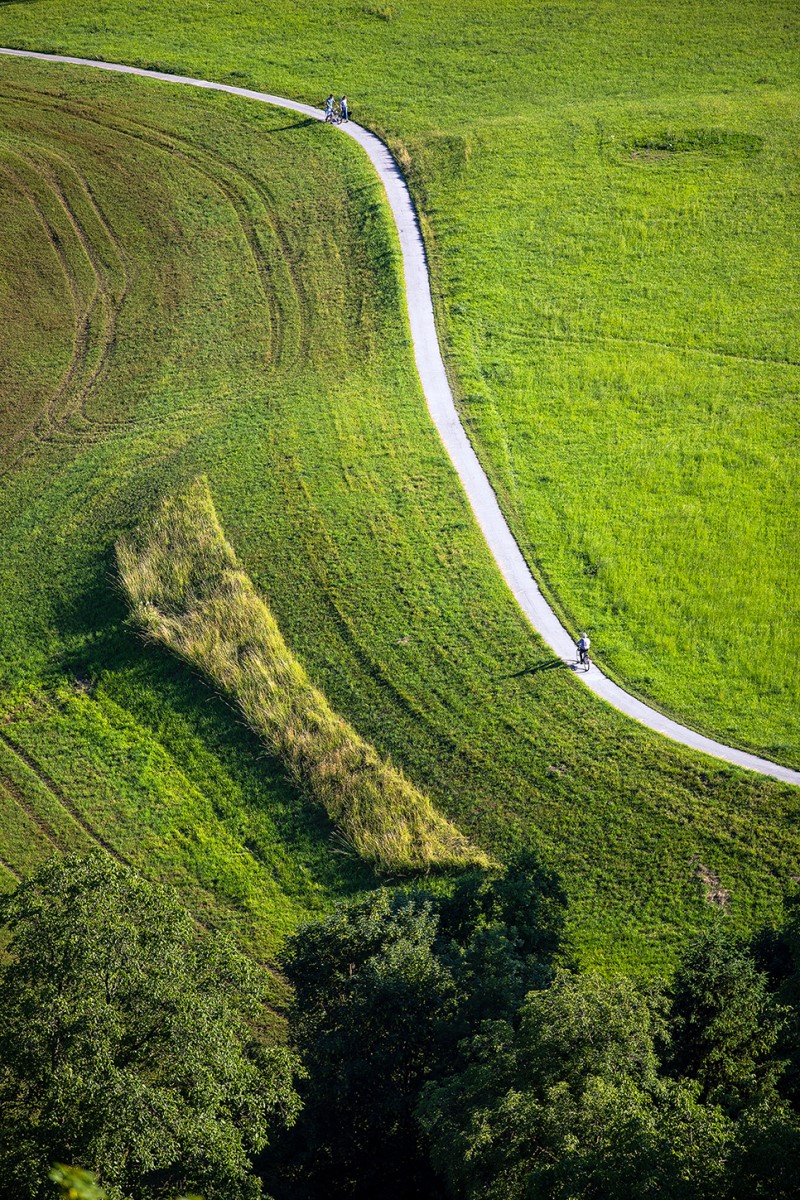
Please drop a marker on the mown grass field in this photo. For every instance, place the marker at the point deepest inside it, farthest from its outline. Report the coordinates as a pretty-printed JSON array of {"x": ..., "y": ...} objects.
[
  {"x": 618, "y": 313},
  {"x": 231, "y": 281}
]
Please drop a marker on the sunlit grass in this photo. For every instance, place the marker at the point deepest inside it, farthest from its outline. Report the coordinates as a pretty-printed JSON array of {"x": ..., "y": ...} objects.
[
  {"x": 631, "y": 377},
  {"x": 264, "y": 345},
  {"x": 609, "y": 198}
]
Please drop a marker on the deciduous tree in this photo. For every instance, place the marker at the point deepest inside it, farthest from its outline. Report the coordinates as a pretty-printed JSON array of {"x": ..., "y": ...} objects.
[{"x": 126, "y": 1041}]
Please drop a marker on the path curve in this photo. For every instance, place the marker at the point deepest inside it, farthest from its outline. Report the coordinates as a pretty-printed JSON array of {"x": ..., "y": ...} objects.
[{"x": 441, "y": 406}]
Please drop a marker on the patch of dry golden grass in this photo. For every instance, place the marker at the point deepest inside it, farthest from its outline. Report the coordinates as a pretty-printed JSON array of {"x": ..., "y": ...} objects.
[{"x": 189, "y": 594}]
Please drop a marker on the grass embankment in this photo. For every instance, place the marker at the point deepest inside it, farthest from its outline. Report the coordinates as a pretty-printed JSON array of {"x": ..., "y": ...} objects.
[
  {"x": 189, "y": 593},
  {"x": 615, "y": 289},
  {"x": 153, "y": 286},
  {"x": 261, "y": 341}
]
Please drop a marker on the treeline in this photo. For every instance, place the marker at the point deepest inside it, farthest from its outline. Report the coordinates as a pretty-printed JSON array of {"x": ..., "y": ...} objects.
[
  {"x": 453, "y": 1051},
  {"x": 440, "y": 1045}
]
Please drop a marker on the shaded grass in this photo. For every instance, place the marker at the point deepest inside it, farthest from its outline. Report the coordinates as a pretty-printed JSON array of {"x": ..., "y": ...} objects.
[{"x": 188, "y": 593}]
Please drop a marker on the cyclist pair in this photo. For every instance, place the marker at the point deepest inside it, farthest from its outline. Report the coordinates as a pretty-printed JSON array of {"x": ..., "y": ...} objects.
[{"x": 335, "y": 113}]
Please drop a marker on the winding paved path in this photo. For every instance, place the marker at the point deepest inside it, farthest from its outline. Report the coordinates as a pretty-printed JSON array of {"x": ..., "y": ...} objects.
[{"x": 442, "y": 408}]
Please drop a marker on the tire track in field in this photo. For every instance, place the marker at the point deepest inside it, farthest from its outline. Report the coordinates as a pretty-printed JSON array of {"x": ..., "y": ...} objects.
[
  {"x": 107, "y": 295},
  {"x": 106, "y": 301},
  {"x": 442, "y": 408},
  {"x": 96, "y": 310},
  {"x": 205, "y": 159},
  {"x": 112, "y": 295},
  {"x": 45, "y": 828},
  {"x": 85, "y": 302},
  {"x": 238, "y": 191},
  {"x": 162, "y": 142},
  {"x": 211, "y": 165},
  {"x": 46, "y": 429},
  {"x": 57, "y": 792},
  {"x": 55, "y": 240}
]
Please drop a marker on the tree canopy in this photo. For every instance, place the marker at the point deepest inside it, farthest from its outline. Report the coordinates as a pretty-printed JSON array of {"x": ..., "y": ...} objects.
[
  {"x": 385, "y": 989},
  {"x": 454, "y": 1051},
  {"x": 128, "y": 1043},
  {"x": 449, "y": 1047}
]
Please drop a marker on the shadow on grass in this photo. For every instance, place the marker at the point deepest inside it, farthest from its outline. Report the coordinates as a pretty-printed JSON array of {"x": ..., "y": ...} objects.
[
  {"x": 176, "y": 706},
  {"x": 287, "y": 128},
  {"x": 545, "y": 664}
]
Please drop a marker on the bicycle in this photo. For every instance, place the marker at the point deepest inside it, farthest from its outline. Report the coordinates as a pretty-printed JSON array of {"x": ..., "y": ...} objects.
[
  {"x": 583, "y": 658},
  {"x": 333, "y": 116}
]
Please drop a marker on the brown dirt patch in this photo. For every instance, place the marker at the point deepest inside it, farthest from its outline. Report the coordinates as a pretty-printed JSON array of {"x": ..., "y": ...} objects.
[{"x": 716, "y": 894}]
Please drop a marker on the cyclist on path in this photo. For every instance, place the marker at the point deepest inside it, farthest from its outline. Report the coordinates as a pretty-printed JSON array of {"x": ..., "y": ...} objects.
[
  {"x": 583, "y": 647},
  {"x": 329, "y": 103}
]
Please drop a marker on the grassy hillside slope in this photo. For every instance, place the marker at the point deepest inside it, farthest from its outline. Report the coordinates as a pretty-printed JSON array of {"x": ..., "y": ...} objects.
[
  {"x": 188, "y": 592},
  {"x": 235, "y": 310},
  {"x": 612, "y": 213}
]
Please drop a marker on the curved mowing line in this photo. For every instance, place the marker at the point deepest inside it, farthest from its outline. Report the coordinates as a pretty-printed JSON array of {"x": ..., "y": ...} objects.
[{"x": 441, "y": 406}]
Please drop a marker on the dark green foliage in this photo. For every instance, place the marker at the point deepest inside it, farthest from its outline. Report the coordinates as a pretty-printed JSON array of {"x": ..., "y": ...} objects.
[
  {"x": 385, "y": 990},
  {"x": 127, "y": 1048},
  {"x": 606, "y": 1089},
  {"x": 790, "y": 937},
  {"x": 528, "y": 900},
  {"x": 572, "y": 1104},
  {"x": 127, "y": 1043},
  {"x": 790, "y": 993},
  {"x": 504, "y": 932},
  {"x": 766, "y": 1164},
  {"x": 777, "y": 953},
  {"x": 427, "y": 1077},
  {"x": 375, "y": 1016},
  {"x": 726, "y": 1024}
]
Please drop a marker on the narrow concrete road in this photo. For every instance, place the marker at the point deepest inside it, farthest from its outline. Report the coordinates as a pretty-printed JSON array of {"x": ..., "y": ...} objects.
[{"x": 442, "y": 408}]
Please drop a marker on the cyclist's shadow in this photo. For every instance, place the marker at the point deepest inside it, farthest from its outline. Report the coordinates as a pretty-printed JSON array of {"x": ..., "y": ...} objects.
[{"x": 544, "y": 664}]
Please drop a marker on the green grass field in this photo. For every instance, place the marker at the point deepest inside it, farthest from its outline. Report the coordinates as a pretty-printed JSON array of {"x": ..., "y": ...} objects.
[
  {"x": 230, "y": 279},
  {"x": 188, "y": 593},
  {"x": 610, "y": 202}
]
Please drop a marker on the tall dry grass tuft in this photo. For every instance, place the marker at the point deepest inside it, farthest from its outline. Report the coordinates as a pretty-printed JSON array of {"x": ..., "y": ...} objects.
[{"x": 188, "y": 593}]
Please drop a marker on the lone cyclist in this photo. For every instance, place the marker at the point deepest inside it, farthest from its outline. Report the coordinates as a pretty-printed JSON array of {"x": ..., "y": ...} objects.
[{"x": 583, "y": 649}]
